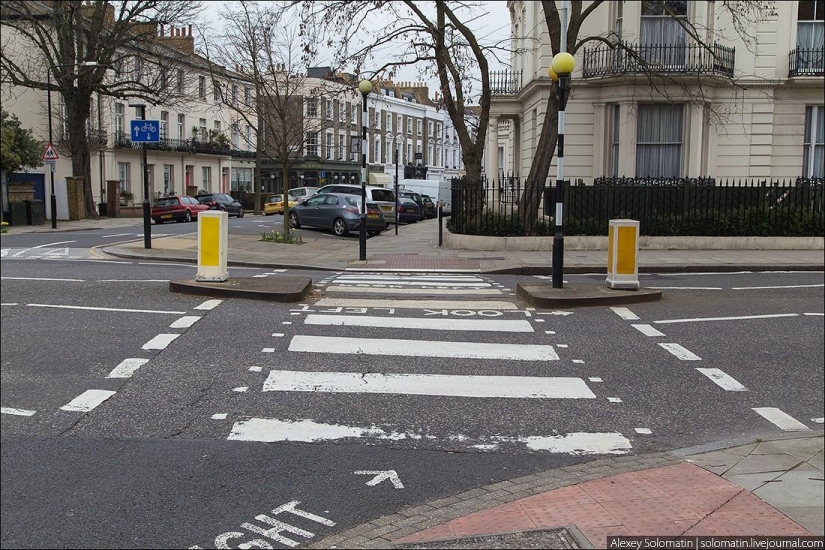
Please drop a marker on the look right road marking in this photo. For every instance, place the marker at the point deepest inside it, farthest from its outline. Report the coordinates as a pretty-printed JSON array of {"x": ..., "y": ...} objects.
[
  {"x": 681, "y": 352},
  {"x": 781, "y": 420}
]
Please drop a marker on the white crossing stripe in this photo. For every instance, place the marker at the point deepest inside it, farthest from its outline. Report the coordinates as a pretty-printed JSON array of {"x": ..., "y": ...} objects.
[
  {"x": 723, "y": 380},
  {"x": 530, "y": 387},
  {"x": 448, "y": 278},
  {"x": 416, "y": 291},
  {"x": 681, "y": 352},
  {"x": 625, "y": 313},
  {"x": 87, "y": 400},
  {"x": 185, "y": 322},
  {"x": 127, "y": 367},
  {"x": 209, "y": 304},
  {"x": 416, "y": 304},
  {"x": 647, "y": 330},
  {"x": 781, "y": 420},
  {"x": 422, "y": 348},
  {"x": 494, "y": 325},
  {"x": 16, "y": 412},
  {"x": 160, "y": 341},
  {"x": 737, "y": 318},
  {"x": 478, "y": 284},
  {"x": 272, "y": 430}
]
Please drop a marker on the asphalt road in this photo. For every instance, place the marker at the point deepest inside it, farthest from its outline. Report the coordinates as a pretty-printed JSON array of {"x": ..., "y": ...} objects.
[{"x": 250, "y": 406}]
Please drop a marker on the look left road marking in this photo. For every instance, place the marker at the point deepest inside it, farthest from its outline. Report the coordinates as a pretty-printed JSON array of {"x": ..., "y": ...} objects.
[
  {"x": 87, "y": 400},
  {"x": 16, "y": 412},
  {"x": 160, "y": 341},
  {"x": 209, "y": 304},
  {"x": 780, "y": 419},
  {"x": 127, "y": 367},
  {"x": 680, "y": 352}
]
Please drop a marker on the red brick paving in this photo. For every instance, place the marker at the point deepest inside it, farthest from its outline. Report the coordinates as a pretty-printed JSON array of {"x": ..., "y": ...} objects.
[{"x": 671, "y": 501}]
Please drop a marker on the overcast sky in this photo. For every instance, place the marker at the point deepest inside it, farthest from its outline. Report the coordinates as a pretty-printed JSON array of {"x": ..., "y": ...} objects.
[{"x": 494, "y": 25}]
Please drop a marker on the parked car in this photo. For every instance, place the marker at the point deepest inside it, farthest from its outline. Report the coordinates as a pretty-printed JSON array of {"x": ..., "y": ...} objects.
[
  {"x": 384, "y": 198},
  {"x": 336, "y": 211},
  {"x": 300, "y": 194},
  {"x": 429, "y": 204},
  {"x": 275, "y": 205},
  {"x": 178, "y": 208},
  {"x": 408, "y": 211},
  {"x": 416, "y": 198},
  {"x": 221, "y": 201}
]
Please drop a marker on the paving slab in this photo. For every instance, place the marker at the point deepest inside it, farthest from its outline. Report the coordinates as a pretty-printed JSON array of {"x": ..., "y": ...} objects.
[
  {"x": 273, "y": 289},
  {"x": 755, "y": 464},
  {"x": 802, "y": 486},
  {"x": 803, "y": 448}
]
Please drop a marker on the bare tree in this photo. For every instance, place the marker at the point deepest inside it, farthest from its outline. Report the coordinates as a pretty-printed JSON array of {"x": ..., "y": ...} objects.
[
  {"x": 261, "y": 43},
  {"x": 52, "y": 40}
]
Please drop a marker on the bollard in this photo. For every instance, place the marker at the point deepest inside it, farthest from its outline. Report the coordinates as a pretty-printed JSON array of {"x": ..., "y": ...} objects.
[
  {"x": 623, "y": 254},
  {"x": 213, "y": 232},
  {"x": 440, "y": 225}
]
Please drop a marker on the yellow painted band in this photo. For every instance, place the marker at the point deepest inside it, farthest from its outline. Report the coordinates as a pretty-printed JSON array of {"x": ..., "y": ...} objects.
[
  {"x": 610, "y": 249},
  {"x": 626, "y": 258},
  {"x": 210, "y": 242}
]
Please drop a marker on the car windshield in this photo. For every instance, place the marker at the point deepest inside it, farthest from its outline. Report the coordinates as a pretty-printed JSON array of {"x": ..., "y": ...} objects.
[
  {"x": 205, "y": 198},
  {"x": 383, "y": 195},
  {"x": 276, "y": 198},
  {"x": 172, "y": 201}
]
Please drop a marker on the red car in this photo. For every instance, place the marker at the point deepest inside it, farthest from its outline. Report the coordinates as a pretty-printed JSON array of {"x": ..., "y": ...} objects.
[{"x": 180, "y": 209}]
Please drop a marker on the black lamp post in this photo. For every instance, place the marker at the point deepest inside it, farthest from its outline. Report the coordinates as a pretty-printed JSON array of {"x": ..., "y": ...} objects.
[{"x": 365, "y": 87}]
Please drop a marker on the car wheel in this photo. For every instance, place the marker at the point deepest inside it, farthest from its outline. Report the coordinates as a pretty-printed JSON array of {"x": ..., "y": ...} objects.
[
  {"x": 158, "y": 222},
  {"x": 294, "y": 222},
  {"x": 373, "y": 233},
  {"x": 240, "y": 213},
  {"x": 188, "y": 217},
  {"x": 339, "y": 227}
]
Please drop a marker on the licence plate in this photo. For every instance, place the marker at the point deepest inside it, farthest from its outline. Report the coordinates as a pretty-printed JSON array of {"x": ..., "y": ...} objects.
[
  {"x": 372, "y": 216},
  {"x": 166, "y": 216},
  {"x": 386, "y": 208}
]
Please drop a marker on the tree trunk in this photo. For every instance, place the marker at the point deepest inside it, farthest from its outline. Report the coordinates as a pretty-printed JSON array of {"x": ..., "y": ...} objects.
[
  {"x": 285, "y": 186},
  {"x": 77, "y": 113},
  {"x": 540, "y": 167}
]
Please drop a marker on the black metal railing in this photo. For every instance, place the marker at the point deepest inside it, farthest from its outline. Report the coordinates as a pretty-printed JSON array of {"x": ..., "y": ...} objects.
[
  {"x": 505, "y": 82},
  {"x": 663, "y": 207},
  {"x": 627, "y": 58},
  {"x": 191, "y": 146},
  {"x": 806, "y": 62},
  {"x": 94, "y": 137}
]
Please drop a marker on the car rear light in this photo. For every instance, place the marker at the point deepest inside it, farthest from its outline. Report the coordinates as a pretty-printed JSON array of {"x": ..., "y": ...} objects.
[
  {"x": 400, "y": 208},
  {"x": 351, "y": 210}
]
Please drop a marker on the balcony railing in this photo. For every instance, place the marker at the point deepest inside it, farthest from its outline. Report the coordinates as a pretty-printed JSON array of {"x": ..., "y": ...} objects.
[
  {"x": 191, "y": 146},
  {"x": 806, "y": 62},
  {"x": 629, "y": 58},
  {"x": 505, "y": 82},
  {"x": 95, "y": 138}
]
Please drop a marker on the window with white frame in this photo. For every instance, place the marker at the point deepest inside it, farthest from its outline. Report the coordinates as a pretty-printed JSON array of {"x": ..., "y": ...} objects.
[
  {"x": 249, "y": 137},
  {"x": 168, "y": 178},
  {"x": 388, "y": 127},
  {"x": 120, "y": 122},
  {"x": 202, "y": 129},
  {"x": 398, "y": 123},
  {"x": 429, "y": 154},
  {"x": 312, "y": 107},
  {"x": 329, "y": 146},
  {"x": 236, "y": 136},
  {"x": 418, "y": 127},
  {"x": 662, "y": 35},
  {"x": 810, "y": 36},
  {"x": 247, "y": 96},
  {"x": 206, "y": 181},
  {"x": 312, "y": 143},
  {"x": 659, "y": 140},
  {"x": 409, "y": 126},
  {"x": 342, "y": 111},
  {"x": 613, "y": 133},
  {"x": 342, "y": 146},
  {"x": 376, "y": 114},
  {"x": 328, "y": 109},
  {"x": 216, "y": 91},
  {"x": 125, "y": 176},
  {"x": 409, "y": 153},
  {"x": 234, "y": 95},
  {"x": 202, "y": 87},
  {"x": 218, "y": 126},
  {"x": 354, "y": 116},
  {"x": 181, "y": 127},
  {"x": 353, "y": 155},
  {"x": 430, "y": 128},
  {"x": 164, "y": 125},
  {"x": 376, "y": 151},
  {"x": 813, "y": 155}
]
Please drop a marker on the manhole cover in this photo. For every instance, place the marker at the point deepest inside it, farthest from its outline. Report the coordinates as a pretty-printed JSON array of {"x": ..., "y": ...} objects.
[{"x": 561, "y": 537}]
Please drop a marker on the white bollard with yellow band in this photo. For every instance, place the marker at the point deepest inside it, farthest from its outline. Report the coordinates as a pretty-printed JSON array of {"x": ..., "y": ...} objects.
[
  {"x": 213, "y": 236},
  {"x": 623, "y": 254}
]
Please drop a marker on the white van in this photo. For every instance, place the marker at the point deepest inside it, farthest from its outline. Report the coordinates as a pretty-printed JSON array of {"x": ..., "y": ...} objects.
[{"x": 435, "y": 189}]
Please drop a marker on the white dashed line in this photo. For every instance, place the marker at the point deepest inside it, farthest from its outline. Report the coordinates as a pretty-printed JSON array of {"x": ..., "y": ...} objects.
[
  {"x": 737, "y": 318},
  {"x": 625, "y": 313},
  {"x": 278, "y": 334},
  {"x": 579, "y": 361},
  {"x": 16, "y": 412},
  {"x": 818, "y": 420},
  {"x": 119, "y": 310},
  {"x": 87, "y": 400},
  {"x": 42, "y": 279},
  {"x": 255, "y": 369},
  {"x": 647, "y": 330},
  {"x": 127, "y": 367},
  {"x": 268, "y": 350},
  {"x": 723, "y": 380},
  {"x": 209, "y": 304},
  {"x": 643, "y": 431},
  {"x": 185, "y": 322},
  {"x": 781, "y": 420},
  {"x": 240, "y": 389},
  {"x": 614, "y": 399},
  {"x": 681, "y": 352},
  {"x": 160, "y": 341},
  {"x": 219, "y": 416},
  {"x": 595, "y": 379},
  {"x": 775, "y": 287},
  {"x": 816, "y": 314}
]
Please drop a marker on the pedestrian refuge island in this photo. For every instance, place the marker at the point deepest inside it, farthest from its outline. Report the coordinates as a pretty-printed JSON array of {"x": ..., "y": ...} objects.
[
  {"x": 623, "y": 254},
  {"x": 213, "y": 238}
]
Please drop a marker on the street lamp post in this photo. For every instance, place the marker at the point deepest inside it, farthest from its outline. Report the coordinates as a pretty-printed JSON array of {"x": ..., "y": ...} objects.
[
  {"x": 396, "y": 190},
  {"x": 365, "y": 87},
  {"x": 560, "y": 69},
  {"x": 147, "y": 209}
]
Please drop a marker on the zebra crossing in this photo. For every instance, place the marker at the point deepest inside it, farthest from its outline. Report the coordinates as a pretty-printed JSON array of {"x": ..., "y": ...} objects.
[
  {"x": 413, "y": 284},
  {"x": 431, "y": 373}
]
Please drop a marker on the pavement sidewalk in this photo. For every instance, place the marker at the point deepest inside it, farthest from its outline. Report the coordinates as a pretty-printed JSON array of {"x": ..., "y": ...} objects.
[
  {"x": 761, "y": 488},
  {"x": 416, "y": 248}
]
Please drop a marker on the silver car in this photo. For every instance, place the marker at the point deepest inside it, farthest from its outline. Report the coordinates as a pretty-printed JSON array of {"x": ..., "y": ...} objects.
[
  {"x": 381, "y": 196},
  {"x": 337, "y": 211}
]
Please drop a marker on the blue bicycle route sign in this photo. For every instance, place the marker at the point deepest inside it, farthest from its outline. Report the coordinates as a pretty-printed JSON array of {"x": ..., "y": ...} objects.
[{"x": 145, "y": 131}]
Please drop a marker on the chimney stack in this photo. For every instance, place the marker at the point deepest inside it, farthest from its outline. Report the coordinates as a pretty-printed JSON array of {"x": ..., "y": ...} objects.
[{"x": 190, "y": 31}]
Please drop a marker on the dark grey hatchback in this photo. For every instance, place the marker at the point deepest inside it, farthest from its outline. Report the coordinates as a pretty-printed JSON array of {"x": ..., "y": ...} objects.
[
  {"x": 336, "y": 211},
  {"x": 221, "y": 201}
]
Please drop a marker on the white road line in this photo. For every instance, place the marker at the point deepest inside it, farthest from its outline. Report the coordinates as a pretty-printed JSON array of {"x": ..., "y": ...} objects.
[
  {"x": 737, "y": 318},
  {"x": 209, "y": 304},
  {"x": 42, "y": 279},
  {"x": 167, "y": 263},
  {"x": 116, "y": 235},
  {"x": 422, "y": 348},
  {"x": 160, "y": 341},
  {"x": 614, "y": 400},
  {"x": 643, "y": 431},
  {"x": 397, "y": 279},
  {"x": 120, "y": 310},
  {"x": 415, "y": 291},
  {"x": 494, "y": 325},
  {"x": 647, "y": 330},
  {"x": 595, "y": 379},
  {"x": 219, "y": 416},
  {"x": 429, "y": 384},
  {"x": 416, "y": 304},
  {"x": 186, "y": 321},
  {"x": 439, "y": 284},
  {"x": 686, "y": 287},
  {"x": 16, "y": 412},
  {"x": 819, "y": 420},
  {"x": 95, "y": 261},
  {"x": 691, "y": 274},
  {"x": 127, "y": 367},
  {"x": 723, "y": 380},
  {"x": 681, "y": 353},
  {"x": 272, "y": 430},
  {"x": 255, "y": 369},
  {"x": 47, "y": 245},
  {"x": 8, "y": 304},
  {"x": 134, "y": 281},
  {"x": 781, "y": 420},
  {"x": 816, "y": 314},
  {"x": 268, "y": 350},
  {"x": 774, "y": 287},
  {"x": 625, "y": 313},
  {"x": 87, "y": 400}
]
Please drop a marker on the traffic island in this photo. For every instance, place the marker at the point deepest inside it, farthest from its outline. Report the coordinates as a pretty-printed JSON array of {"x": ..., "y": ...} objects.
[
  {"x": 271, "y": 289},
  {"x": 544, "y": 295}
]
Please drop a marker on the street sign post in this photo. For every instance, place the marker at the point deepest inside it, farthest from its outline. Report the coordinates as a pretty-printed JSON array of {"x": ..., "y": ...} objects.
[
  {"x": 50, "y": 157},
  {"x": 145, "y": 131},
  {"x": 49, "y": 154}
]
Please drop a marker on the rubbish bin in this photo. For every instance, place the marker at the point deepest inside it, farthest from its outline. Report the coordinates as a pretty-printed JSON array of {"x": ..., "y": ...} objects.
[
  {"x": 17, "y": 213},
  {"x": 103, "y": 209},
  {"x": 35, "y": 212}
]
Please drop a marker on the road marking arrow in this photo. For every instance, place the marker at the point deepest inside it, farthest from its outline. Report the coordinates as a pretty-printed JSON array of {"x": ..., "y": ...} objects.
[{"x": 381, "y": 476}]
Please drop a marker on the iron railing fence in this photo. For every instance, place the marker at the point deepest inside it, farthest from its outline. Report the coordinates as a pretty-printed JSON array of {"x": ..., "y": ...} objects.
[
  {"x": 663, "y": 207},
  {"x": 806, "y": 62},
  {"x": 505, "y": 82},
  {"x": 191, "y": 146},
  {"x": 630, "y": 58}
]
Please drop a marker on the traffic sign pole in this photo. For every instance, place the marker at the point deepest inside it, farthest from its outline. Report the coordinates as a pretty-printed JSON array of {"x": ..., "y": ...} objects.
[{"x": 143, "y": 131}]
